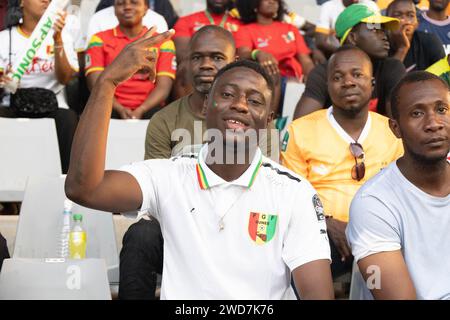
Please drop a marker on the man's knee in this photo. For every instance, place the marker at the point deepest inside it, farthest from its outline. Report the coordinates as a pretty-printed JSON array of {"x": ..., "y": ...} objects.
[{"x": 143, "y": 233}]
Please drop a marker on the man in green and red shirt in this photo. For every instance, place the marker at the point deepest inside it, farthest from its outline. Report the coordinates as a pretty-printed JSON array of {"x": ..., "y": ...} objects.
[{"x": 138, "y": 97}]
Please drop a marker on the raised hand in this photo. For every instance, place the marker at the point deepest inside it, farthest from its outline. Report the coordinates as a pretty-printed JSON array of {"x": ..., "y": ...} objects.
[{"x": 58, "y": 26}]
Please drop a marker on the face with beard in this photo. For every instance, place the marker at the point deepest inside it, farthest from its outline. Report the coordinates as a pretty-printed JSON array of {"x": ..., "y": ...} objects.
[
  {"x": 209, "y": 52},
  {"x": 350, "y": 80},
  {"x": 423, "y": 120},
  {"x": 217, "y": 6},
  {"x": 439, "y": 5}
]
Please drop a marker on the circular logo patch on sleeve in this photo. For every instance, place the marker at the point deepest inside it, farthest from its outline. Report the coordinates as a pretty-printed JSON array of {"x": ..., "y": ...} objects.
[{"x": 318, "y": 207}]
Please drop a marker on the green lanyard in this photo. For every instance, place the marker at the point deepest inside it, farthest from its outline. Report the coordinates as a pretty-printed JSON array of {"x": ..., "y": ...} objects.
[{"x": 211, "y": 20}]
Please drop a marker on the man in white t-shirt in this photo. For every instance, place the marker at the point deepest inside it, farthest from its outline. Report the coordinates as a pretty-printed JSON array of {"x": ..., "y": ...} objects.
[
  {"x": 235, "y": 224},
  {"x": 329, "y": 12},
  {"x": 400, "y": 220}
]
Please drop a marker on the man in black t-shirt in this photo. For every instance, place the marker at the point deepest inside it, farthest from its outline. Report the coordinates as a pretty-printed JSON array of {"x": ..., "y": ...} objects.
[
  {"x": 416, "y": 49},
  {"x": 358, "y": 25}
]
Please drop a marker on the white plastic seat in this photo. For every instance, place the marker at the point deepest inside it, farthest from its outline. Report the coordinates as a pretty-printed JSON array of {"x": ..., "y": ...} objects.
[
  {"x": 126, "y": 142},
  {"x": 27, "y": 147},
  {"x": 47, "y": 279},
  {"x": 40, "y": 219},
  {"x": 294, "y": 91}
]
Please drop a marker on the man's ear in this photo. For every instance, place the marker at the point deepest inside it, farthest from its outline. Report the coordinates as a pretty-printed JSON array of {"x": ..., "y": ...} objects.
[
  {"x": 270, "y": 117},
  {"x": 395, "y": 128},
  {"x": 352, "y": 38},
  {"x": 373, "y": 82}
]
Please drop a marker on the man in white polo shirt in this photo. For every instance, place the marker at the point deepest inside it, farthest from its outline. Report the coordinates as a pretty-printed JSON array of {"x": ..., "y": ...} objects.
[{"x": 235, "y": 224}]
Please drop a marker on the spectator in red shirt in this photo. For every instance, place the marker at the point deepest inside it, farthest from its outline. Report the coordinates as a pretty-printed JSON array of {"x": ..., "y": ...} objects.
[
  {"x": 216, "y": 13},
  {"x": 278, "y": 46},
  {"x": 138, "y": 97}
]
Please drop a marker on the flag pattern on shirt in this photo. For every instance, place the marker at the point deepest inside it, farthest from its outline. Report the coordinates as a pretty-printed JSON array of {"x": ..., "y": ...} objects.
[{"x": 262, "y": 227}]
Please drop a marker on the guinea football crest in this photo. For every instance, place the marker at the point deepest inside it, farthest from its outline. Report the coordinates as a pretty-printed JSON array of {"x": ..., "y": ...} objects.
[{"x": 262, "y": 227}]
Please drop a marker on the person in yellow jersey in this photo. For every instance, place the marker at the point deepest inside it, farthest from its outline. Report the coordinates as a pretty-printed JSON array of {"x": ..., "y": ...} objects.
[
  {"x": 339, "y": 148},
  {"x": 441, "y": 69}
]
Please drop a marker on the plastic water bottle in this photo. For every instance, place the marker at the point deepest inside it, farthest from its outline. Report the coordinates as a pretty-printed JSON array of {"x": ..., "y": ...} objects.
[
  {"x": 77, "y": 238},
  {"x": 63, "y": 245}
]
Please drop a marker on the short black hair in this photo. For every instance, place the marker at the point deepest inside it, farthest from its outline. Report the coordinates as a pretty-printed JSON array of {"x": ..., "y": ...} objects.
[
  {"x": 213, "y": 29},
  {"x": 247, "y": 8},
  {"x": 249, "y": 65},
  {"x": 412, "y": 77},
  {"x": 389, "y": 7},
  {"x": 350, "y": 47}
]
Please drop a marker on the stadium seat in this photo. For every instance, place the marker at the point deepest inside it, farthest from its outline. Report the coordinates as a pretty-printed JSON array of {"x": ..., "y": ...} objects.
[
  {"x": 126, "y": 142},
  {"x": 40, "y": 219},
  {"x": 294, "y": 91},
  {"x": 52, "y": 279},
  {"x": 28, "y": 147}
]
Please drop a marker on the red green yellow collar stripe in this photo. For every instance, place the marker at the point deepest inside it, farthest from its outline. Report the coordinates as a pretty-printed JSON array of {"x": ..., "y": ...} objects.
[
  {"x": 255, "y": 172},
  {"x": 202, "y": 181}
]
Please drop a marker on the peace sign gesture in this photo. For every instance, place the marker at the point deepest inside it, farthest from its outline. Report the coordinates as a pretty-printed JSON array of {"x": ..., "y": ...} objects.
[{"x": 136, "y": 56}]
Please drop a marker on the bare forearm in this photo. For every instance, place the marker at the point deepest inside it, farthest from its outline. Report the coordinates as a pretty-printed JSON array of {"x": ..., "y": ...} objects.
[
  {"x": 87, "y": 161},
  {"x": 181, "y": 46},
  {"x": 306, "y": 62},
  {"x": 323, "y": 44},
  {"x": 400, "y": 54},
  {"x": 158, "y": 95},
  {"x": 244, "y": 53},
  {"x": 63, "y": 69}
]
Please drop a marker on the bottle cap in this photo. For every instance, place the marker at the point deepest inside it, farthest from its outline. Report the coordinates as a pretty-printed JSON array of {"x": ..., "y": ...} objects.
[{"x": 78, "y": 217}]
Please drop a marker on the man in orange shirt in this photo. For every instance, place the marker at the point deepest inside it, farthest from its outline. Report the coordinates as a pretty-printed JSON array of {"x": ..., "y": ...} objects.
[
  {"x": 138, "y": 97},
  {"x": 340, "y": 148}
]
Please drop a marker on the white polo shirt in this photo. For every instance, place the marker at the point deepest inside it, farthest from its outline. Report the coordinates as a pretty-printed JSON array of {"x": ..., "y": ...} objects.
[
  {"x": 106, "y": 19},
  {"x": 272, "y": 224}
]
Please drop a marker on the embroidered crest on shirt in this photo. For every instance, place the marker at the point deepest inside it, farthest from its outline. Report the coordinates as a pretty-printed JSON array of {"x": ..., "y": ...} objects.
[
  {"x": 231, "y": 27},
  {"x": 262, "y": 227},
  {"x": 88, "y": 60},
  {"x": 262, "y": 42},
  {"x": 50, "y": 50},
  {"x": 174, "y": 63},
  {"x": 289, "y": 37}
]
